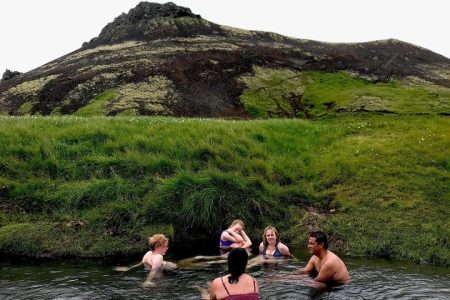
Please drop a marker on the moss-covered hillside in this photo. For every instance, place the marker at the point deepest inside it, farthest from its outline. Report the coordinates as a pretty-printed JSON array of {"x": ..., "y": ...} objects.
[{"x": 161, "y": 59}]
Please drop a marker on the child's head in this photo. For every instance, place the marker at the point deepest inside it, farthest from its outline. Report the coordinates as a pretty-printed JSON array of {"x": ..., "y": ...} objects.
[{"x": 157, "y": 240}]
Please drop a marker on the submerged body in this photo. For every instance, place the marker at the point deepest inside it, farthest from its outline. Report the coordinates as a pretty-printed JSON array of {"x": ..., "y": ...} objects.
[
  {"x": 330, "y": 269},
  {"x": 153, "y": 259}
]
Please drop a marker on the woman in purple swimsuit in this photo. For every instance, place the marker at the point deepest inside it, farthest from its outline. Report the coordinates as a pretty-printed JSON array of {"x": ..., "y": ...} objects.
[
  {"x": 237, "y": 285},
  {"x": 234, "y": 237}
]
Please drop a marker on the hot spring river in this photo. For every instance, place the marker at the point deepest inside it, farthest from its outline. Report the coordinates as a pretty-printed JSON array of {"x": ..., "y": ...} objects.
[{"x": 92, "y": 279}]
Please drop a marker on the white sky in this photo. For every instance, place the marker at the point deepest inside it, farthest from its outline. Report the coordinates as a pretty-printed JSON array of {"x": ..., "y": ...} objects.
[{"x": 34, "y": 32}]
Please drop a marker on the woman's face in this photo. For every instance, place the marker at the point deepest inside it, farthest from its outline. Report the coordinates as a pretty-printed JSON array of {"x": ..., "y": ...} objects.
[
  {"x": 271, "y": 237},
  {"x": 237, "y": 228}
]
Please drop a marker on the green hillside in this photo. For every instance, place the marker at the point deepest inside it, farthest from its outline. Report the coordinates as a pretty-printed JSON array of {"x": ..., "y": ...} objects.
[
  {"x": 379, "y": 185},
  {"x": 310, "y": 94}
]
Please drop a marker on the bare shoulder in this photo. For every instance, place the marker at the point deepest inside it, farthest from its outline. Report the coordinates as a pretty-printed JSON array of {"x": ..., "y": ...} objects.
[
  {"x": 314, "y": 259},
  {"x": 147, "y": 256},
  {"x": 248, "y": 278},
  {"x": 261, "y": 247},
  {"x": 283, "y": 248},
  {"x": 215, "y": 282},
  {"x": 333, "y": 259},
  {"x": 215, "y": 287}
]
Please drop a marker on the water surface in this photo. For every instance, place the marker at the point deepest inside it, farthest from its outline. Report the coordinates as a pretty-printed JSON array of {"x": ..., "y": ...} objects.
[{"x": 93, "y": 279}]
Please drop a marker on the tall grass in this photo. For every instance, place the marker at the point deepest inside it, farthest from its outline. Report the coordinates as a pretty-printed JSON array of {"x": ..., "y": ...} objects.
[{"x": 378, "y": 184}]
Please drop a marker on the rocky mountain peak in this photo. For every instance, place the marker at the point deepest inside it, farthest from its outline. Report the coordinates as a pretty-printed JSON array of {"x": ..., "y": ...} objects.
[
  {"x": 145, "y": 22},
  {"x": 8, "y": 74},
  {"x": 148, "y": 11}
]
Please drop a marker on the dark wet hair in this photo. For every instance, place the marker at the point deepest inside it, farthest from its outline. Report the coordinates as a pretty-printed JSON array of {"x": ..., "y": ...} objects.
[
  {"x": 237, "y": 262},
  {"x": 321, "y": 238}
]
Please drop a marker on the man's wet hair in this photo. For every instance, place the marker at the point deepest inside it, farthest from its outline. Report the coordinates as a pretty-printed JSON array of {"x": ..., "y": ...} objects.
[{"x": 321, "y": 238}]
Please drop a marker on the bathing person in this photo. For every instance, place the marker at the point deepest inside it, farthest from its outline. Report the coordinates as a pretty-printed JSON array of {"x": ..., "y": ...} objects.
[
  {"x": 237, "y": 284},
  {"x": 234, "y": 237},
  {"x": 270, "y": 249},
  {"x": 271, "y": 246},
  {"x": 153, "y": 259},
  {"x": 330, "y": 269}
]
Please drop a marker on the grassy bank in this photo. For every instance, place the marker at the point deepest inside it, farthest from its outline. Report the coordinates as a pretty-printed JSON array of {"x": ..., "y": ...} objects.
[{"x": 379, "y": 185}]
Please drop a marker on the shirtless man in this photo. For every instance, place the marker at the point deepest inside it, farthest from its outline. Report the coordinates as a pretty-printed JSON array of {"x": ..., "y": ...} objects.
[{"x": 330, "y": 269}]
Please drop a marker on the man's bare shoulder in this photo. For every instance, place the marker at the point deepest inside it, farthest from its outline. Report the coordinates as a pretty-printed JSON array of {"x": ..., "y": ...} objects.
[{"x": 314, "y": 259}]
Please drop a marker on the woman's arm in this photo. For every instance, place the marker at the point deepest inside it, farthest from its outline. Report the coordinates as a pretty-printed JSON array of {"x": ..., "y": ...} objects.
[
  {"x": 261, "y": 248},
  {"x": 284, "y": 249},
  {"x": 247, "y": 242},
  {"x": 231, "y": 236}
]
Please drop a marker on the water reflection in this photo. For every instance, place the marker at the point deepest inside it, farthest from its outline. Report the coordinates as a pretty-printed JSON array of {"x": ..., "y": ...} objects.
[{"x": 88, "y": 279}]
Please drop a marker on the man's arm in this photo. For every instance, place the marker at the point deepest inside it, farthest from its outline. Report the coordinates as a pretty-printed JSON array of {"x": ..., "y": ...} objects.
[
  {"x": 308, "y": 268},
  {"x": 325, "y": 275}
]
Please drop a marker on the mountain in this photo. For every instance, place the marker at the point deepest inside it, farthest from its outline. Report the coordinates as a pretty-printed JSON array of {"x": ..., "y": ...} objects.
[{"x": 162, "y": 59}]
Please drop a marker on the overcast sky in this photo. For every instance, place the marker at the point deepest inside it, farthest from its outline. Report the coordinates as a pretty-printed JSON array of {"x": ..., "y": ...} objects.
[{"x": 34, "y": 32}]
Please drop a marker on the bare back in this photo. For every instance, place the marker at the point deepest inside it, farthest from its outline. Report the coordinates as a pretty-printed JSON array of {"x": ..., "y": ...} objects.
[
  {"x": 152, "y": 260},
  {"x": 221, "y": 288}
]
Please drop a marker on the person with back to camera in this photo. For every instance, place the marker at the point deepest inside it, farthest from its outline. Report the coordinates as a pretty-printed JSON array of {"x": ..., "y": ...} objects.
[
  {"x": 234, "y": 237},
  {"x": 237, "y": 285}
]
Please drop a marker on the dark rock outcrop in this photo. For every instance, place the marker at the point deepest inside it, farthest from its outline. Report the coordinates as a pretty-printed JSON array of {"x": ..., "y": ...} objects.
[
  {"x": 10, "y": 74},
  {"x": 149, "y": 21}
]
